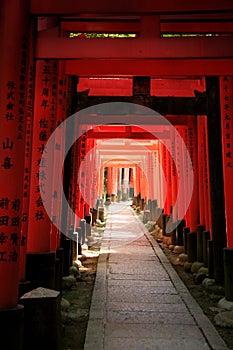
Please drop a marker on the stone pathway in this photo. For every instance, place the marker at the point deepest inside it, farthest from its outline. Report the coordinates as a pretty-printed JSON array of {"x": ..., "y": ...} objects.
[{"x": 139, "y": 302}]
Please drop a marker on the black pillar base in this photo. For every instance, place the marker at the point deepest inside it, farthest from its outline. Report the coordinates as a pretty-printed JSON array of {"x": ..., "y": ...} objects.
[
  {"x": 58, "y": 281},
  {"x": 66, "y": 245},
  {"x": 60, "y": 256},
  {"x": 228, "y": 273},
  {"x": 40, "y": 269},
  {"x": 12, "y": 328},
  {"x": 164, "y": 222},
  {"x": 206, "y": 238},
  {"x": 200, "y": 230},
  {"x": 210, "y": 250},
  {"x": 179, "y": 233},
  {"x": 186, "y": 230},
  {"x": 192, "y": 246},
  {"x": 173, "y": 237}
]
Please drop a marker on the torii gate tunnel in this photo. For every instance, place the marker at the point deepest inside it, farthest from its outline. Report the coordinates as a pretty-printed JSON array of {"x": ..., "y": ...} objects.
[{"x": 119, "y": 100}]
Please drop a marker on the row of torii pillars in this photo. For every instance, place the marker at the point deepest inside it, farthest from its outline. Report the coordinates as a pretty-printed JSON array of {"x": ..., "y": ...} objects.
[
  {"x": 196, "y": 129},
  {"x": 121, "y": 183}
]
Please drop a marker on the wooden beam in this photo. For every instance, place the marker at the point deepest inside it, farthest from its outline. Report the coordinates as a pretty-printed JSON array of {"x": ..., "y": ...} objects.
[
  {"x": 147, "y": 121},
  {"x": 71, "y": 7},
  {"x": 151, "y": 67},
  {"x": 127, "y": 135},
  {"x": 196, "y": 27},
  {"x": 101, "y": 26},
  {"x": 206, "y": 16},
  {"x": 50, "y": 46},
  {"x": 133, "y": 26},
  {"x": 162, "y": 105}
]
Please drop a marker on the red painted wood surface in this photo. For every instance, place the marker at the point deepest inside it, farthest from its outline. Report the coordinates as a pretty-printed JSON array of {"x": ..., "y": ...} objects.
[
  {"x": 193, "y": 212},
  {"x": 28, "y": 152},
  {"x": 58, "y": 156},
  {"x": 39, "y": 226},
  {"x": 13, "y": 71},
  {"x": 72, "y": 7},
  {"x": 150, "y": 67},
  {"x": 50, "y": 45},
  {"x": 226, "y": 95}
]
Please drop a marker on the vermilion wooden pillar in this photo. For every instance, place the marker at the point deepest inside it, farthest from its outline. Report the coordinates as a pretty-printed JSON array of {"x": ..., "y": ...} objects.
[
  {"x": 168, "y": 202},
  {"x": 201, "y": 178},
  {"x": 80, "y": 157},
  {"x": 161, "y": 177},
  {"x": 173, "y": 176},
  {"x": 180, "y": 171},
  {"x": 98, "y": 177},
  {"x": 39, "y": 223},
  {"x": 203, "y": 174},
  {"x": 155, "y": 166},
  {"x": 109, "y": 181},
  {"x": 155, "y": 178},
  {"x": 97, "y": 183},
  {"x": 163, "y": 186},
  {"x": 226, "y": 95},
  {"x": 14, "y": 28},
  {"x": 114, "y": 183},
  {"x": 27, "y": 160},
  {"x": 101, "y": 183},
  {"x": 192, "y": 148},
  {"x": 150, "y": 174},
  {"x": 138, "y": 182},
  {"x": 89, "y": 181},
  {"x": 59, "y": 149},
  {"x": 207, "y": 178}
]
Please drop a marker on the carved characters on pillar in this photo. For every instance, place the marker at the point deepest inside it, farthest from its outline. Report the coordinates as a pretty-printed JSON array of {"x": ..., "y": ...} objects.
[
  {"x": 226, "y": 95},
  {"x": 10, "y": 221},
  {"x": 227, "y": 125},
  {"x": 44, "y": 124},
  {"x": 12, "y": 145},
  {"x": 79, "y": 181},
  {"x": 192, "y": 215},
  {"x": 59, "y": 149}
]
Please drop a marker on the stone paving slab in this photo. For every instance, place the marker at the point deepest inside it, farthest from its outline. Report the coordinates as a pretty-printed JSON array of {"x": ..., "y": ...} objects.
[
  {"x": 158, "y": 298},
  {"x": 142, "y": 290},
  {"x": 153, "y": 331},
  {"x": 146, "y": 307},
  {"x": 153, "y": 317},
  {"x": 139, "y": 302},
  {"x": 138, "y": 277},
  {"x": 139, "y": 283},
  {"x": 143, "y": 254},
  {"x": 152, "y": 344},
  {"x": 149, "y": 268}
]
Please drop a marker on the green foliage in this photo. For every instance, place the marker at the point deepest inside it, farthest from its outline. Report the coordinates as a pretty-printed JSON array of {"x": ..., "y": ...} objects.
[
  {"x": 173, "y": 35},
  {"x": 103, "y": 35}
]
